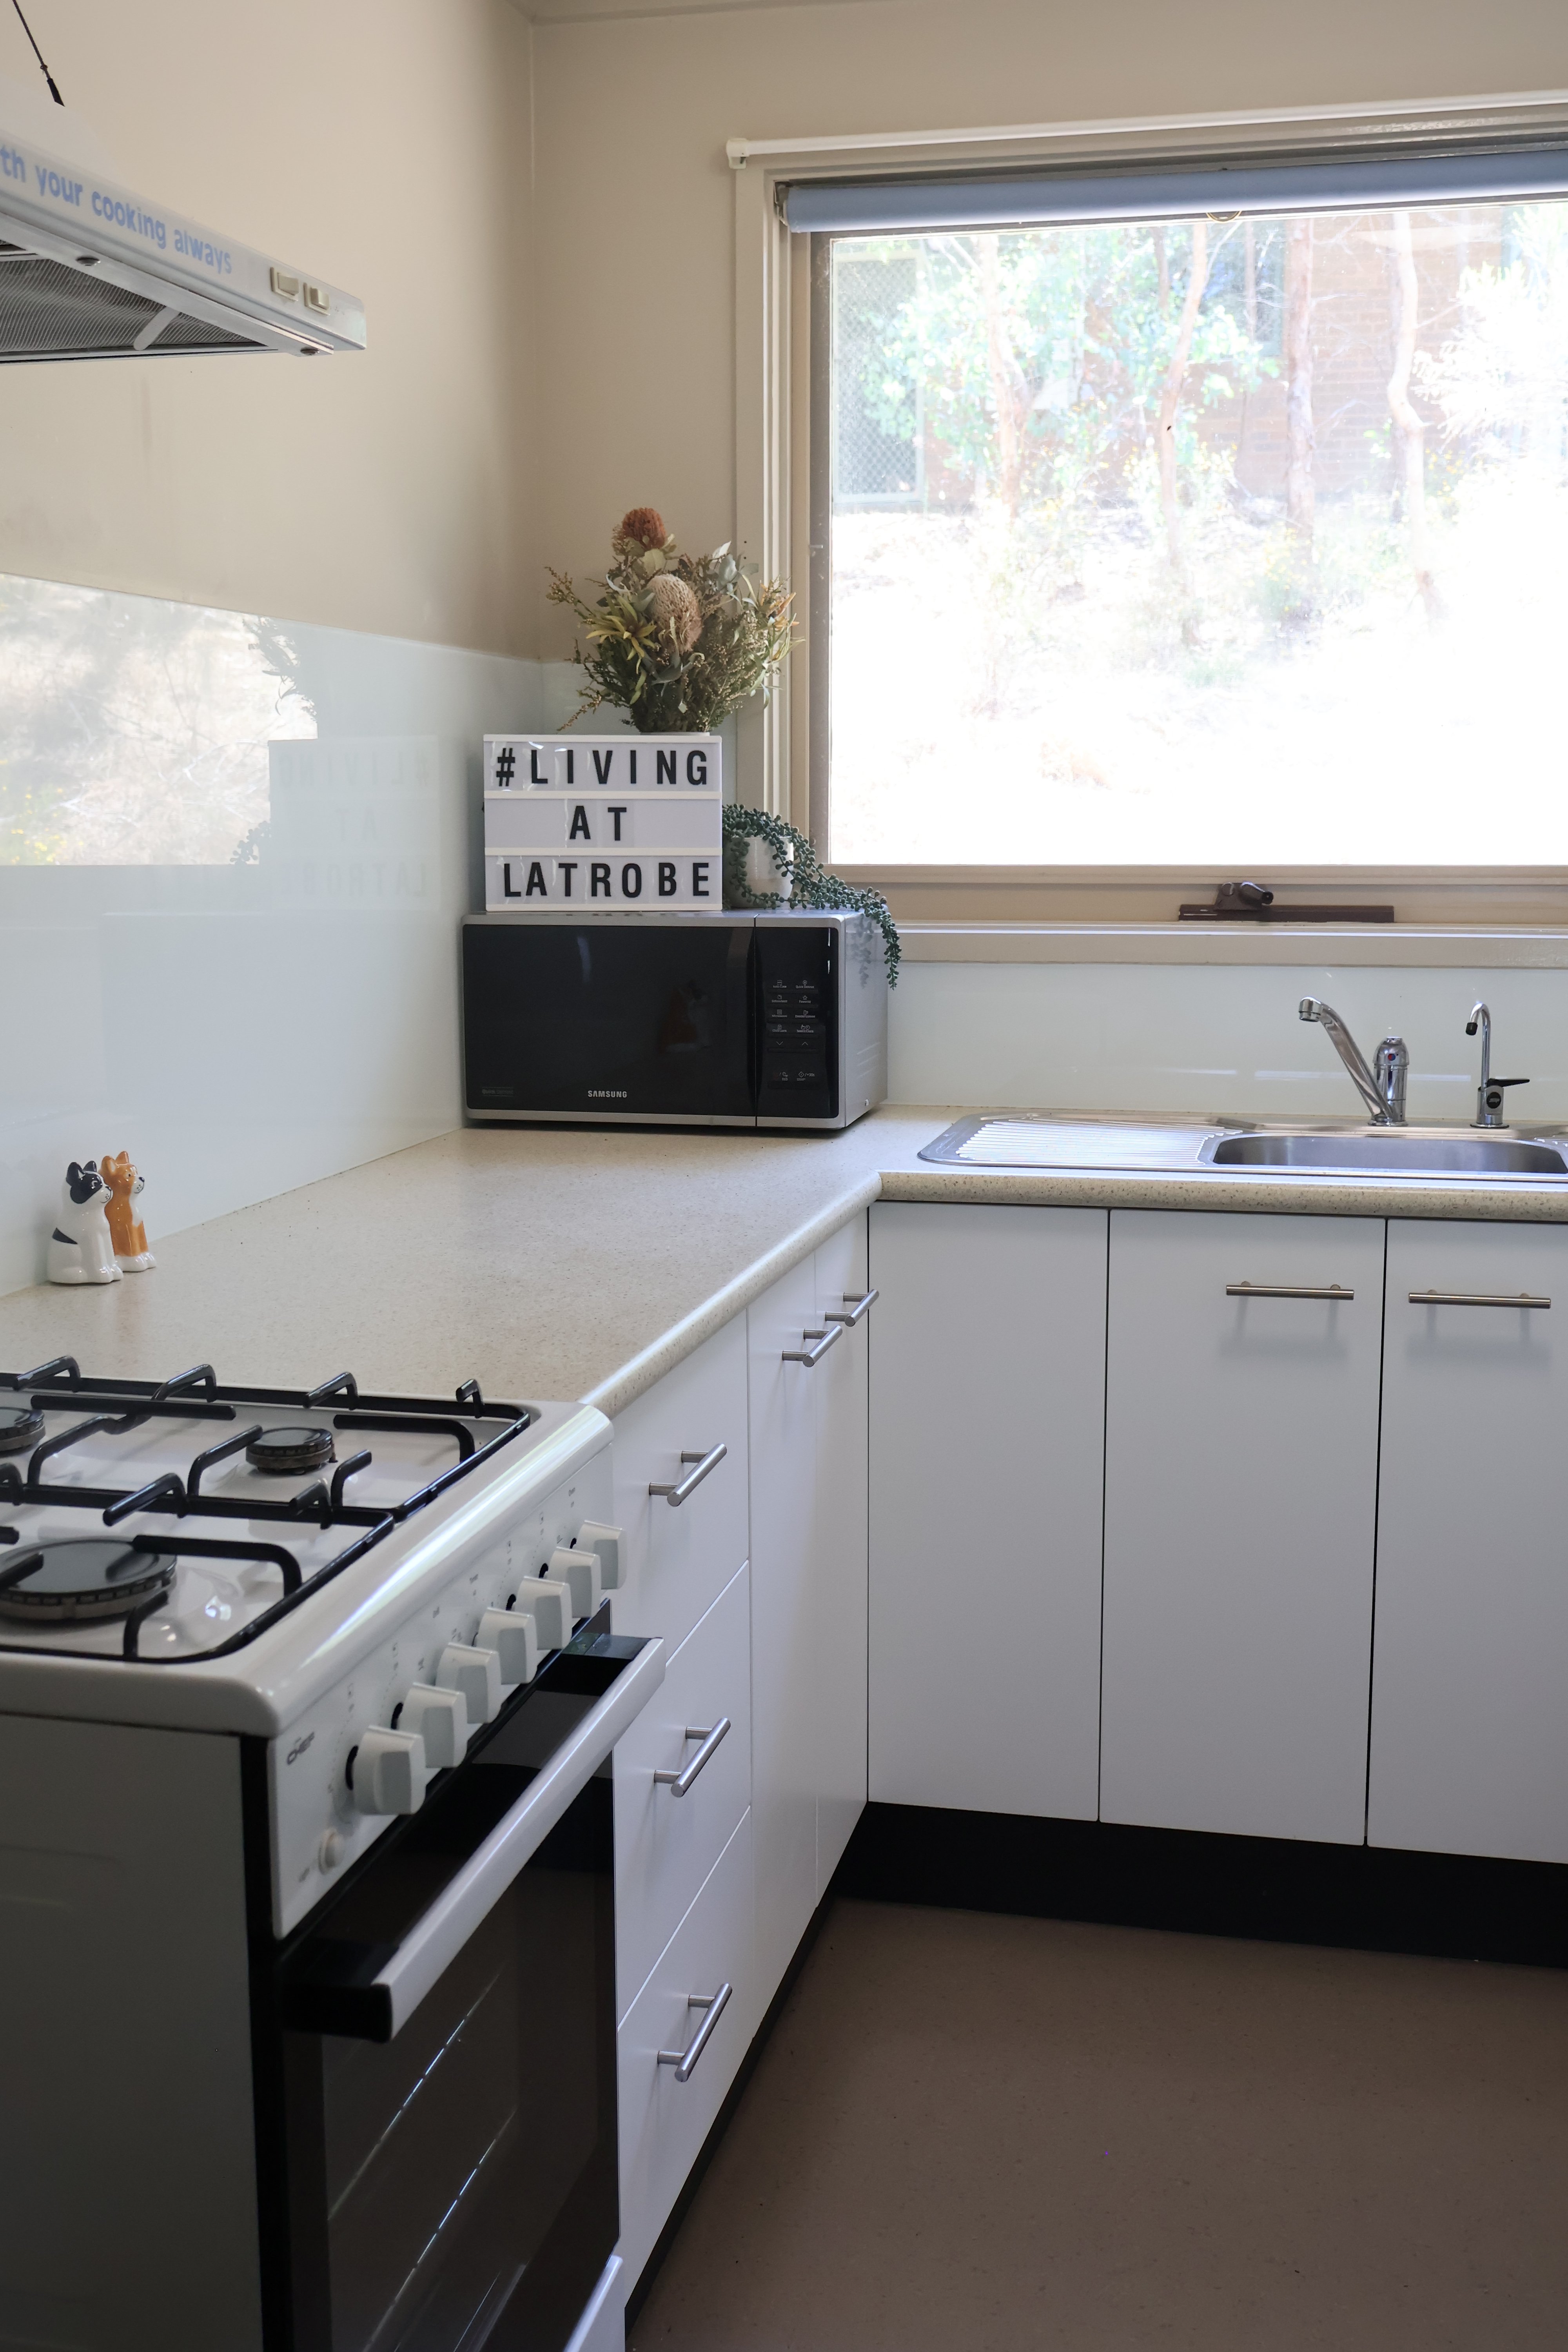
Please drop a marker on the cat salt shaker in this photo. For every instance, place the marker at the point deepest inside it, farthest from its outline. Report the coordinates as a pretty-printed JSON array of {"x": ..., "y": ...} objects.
[{"x": 80, "y": 1248}]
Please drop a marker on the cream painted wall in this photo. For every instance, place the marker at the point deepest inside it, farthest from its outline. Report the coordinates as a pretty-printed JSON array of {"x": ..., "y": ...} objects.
[
  {"x": 539, "y": 217},
  {"x": 634, "y": 224},
  {"x": 386, "y": 146}
]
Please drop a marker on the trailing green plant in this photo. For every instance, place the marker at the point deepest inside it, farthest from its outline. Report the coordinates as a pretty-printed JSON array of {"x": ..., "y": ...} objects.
[
  {"x": 811, "y": 884},
  {"x": 676, "y": 641}
]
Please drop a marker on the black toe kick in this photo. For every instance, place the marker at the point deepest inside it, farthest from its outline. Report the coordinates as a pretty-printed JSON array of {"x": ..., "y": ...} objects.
[{"x": 1366, "y": 1898}]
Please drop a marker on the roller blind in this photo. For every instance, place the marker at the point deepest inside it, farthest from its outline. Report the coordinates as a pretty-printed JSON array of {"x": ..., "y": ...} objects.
[{"x": 1340, "y": 184}]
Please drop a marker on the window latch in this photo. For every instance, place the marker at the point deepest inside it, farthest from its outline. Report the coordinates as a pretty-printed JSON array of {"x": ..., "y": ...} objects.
[{"x": 1250, "y": 902}]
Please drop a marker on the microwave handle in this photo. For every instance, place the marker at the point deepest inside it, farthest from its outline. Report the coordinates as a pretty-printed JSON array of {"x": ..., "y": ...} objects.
[
  {"x": 378, "y": 2010},
  {"x": 754, "y": 1009}
]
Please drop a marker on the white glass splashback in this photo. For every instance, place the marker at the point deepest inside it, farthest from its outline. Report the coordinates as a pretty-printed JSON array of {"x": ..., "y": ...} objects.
[{"x": 234, "y": 852}]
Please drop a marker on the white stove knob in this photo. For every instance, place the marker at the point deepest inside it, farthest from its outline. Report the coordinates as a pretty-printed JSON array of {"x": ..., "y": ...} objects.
[
  {"x": 608, "y": 1542},
  {"x": 475, "y": 1673},
  {"x": 579, "y": 1571},
  {"x": 388, "y": 1772},
  {"x": 441, "y": 1719},
  {"x": 513, "y": 1635},
  {"x": 550, "y": 1606},
  {"x": 331, "y": 1850}
]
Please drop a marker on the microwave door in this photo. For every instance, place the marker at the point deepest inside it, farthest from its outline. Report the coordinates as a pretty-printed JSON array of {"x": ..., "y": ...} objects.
[{"x": 647, "y": 1021}]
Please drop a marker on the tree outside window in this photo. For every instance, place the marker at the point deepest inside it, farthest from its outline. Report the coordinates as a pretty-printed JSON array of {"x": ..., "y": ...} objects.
[{"x": 1226, "y": 539}]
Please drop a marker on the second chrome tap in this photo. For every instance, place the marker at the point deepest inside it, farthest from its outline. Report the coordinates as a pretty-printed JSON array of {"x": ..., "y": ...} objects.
[{"x": 1488, "y": 1094}]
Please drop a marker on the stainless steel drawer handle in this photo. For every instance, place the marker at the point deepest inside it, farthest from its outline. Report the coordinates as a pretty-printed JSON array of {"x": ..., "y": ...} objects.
[
  {"x": 675, "y": 1496},
  {"x": 678, "y": 1783},
  {"x": 822, "y": 1340},
  {"x": 1475, "y": 1299},
  {"x": 1284, "y": 1290},
  {"x": 715, "y": 2004},
  {"x": 857, "y": 1307}
]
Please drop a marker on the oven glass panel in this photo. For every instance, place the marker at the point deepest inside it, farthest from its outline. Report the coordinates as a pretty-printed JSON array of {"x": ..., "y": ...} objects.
[
  {"x": 457, "y": 2186},
  {"x": 452, "y": 2150},
  {"x": 636, "y": 1018}
]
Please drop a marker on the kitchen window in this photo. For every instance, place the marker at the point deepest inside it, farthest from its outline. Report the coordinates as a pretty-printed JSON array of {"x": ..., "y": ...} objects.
[{"x": 1192, "y": 521}]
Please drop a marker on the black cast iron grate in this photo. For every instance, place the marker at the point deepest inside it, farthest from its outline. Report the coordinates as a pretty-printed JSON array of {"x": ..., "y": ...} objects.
[{"x": 114, "y": 1408}]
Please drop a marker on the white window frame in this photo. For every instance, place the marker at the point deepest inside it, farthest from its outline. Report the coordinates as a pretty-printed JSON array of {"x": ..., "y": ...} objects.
[{"x": 1078, "y": 913}]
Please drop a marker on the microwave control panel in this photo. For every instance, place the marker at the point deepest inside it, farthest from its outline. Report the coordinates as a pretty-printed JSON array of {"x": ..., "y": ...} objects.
[{"x": 797, "y": 984}]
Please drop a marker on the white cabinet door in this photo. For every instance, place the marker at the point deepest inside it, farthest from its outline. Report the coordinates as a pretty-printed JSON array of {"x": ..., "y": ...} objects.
[
  {"x": 987, "y": 1426},
  {"x": 838, "y": 1549},
  {"x": 1469, "y": 1696},
  {"x": 1240, "y": 1486},
  {"x": 787, "y": 1640}
]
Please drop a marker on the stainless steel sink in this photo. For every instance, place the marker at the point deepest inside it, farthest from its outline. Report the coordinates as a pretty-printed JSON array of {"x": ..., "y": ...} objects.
[
  {"x": 1093, "y": 1142},
  {"x": 1391, "y": 1154}
]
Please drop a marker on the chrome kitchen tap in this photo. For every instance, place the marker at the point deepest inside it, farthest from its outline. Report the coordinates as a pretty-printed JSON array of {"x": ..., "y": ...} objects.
[
  {"x": 1488, "y": 1094},
  {"x": 1383, "y": 1093}
]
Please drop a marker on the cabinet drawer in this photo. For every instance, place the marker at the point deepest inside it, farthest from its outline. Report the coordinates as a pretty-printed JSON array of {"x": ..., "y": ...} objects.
[
  {"x": 664, "y": 2122},
  {"x": 665, "y": 1844},
  {"x": 681, "y": 1557}
]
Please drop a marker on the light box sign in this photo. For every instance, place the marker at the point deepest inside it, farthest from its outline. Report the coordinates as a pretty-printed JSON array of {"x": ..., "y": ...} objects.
[
  {"x": 607, "y": 822},
  {"x": 671, "y": 764},
  {"x": 594, "y": 822},
  {"x": 521, "y": 883}
]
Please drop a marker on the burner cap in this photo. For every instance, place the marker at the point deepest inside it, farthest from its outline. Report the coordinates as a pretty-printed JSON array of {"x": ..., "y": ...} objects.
[
  {"x": 81, "y": 1576},
  {"x": 20, "y": 1427},
  {"x": 286, "y": 1451}
]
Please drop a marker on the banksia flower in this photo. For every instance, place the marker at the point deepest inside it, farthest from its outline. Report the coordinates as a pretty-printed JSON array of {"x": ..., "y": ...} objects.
[
  {"x": 676, "y": 611},
  {"x": 676, "y": 641},
  {"x": 642, "y": 528}
]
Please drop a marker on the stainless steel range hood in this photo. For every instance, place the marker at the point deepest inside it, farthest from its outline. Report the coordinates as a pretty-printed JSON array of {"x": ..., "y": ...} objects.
[{"x": 90, "y": 271}]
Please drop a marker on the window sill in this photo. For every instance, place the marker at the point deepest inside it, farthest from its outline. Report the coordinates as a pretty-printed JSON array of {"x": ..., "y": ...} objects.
[{"x": 1449, "y": 946}]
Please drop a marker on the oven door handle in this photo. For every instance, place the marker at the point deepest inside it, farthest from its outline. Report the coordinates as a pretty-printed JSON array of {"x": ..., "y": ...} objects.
[{"x": 378, "y": 2009}]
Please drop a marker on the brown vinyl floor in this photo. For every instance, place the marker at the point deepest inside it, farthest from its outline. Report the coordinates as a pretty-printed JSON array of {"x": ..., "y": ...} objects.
[{"x": 983, "y": 2134}]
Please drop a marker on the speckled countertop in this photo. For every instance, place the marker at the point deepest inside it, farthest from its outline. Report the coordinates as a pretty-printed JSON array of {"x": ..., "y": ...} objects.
[{"x": 561, "y": 1263}]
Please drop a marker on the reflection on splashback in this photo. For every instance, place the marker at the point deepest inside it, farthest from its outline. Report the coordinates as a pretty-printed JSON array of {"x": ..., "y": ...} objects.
[
  {"x": 233, "y": 856},
  {"x": 135, "y": 731}
]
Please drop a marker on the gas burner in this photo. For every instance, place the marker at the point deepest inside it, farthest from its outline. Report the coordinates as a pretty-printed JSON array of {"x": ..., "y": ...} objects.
[
  {"x": 286, "y": 1450},
  {"x": 81, "y": 1576},
  {"x": 106, "y": 1454},
  {"x": 20, "y": 1428}
]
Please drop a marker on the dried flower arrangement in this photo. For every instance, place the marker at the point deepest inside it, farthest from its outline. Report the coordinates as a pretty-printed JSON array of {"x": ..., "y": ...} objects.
[
  {"x": 680, "y": 641},
  {"x": 676, "y": 641}
]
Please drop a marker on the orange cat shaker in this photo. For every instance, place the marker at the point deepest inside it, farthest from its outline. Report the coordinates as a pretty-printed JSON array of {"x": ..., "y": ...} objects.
[{"x": 127, "y": 1232}]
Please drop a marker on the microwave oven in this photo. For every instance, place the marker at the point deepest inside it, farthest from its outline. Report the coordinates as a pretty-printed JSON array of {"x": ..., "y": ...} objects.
[{"x": 697, "y": 1020}]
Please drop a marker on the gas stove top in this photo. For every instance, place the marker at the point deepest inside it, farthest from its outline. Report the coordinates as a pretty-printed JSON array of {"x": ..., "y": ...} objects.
[{"x": 164, "y": 1522}]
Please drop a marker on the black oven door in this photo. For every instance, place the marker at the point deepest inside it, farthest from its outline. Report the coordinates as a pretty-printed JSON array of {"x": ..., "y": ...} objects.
[
  {"x": 441, "y": 2157},
  {"x": 609, "y": 1020}
]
